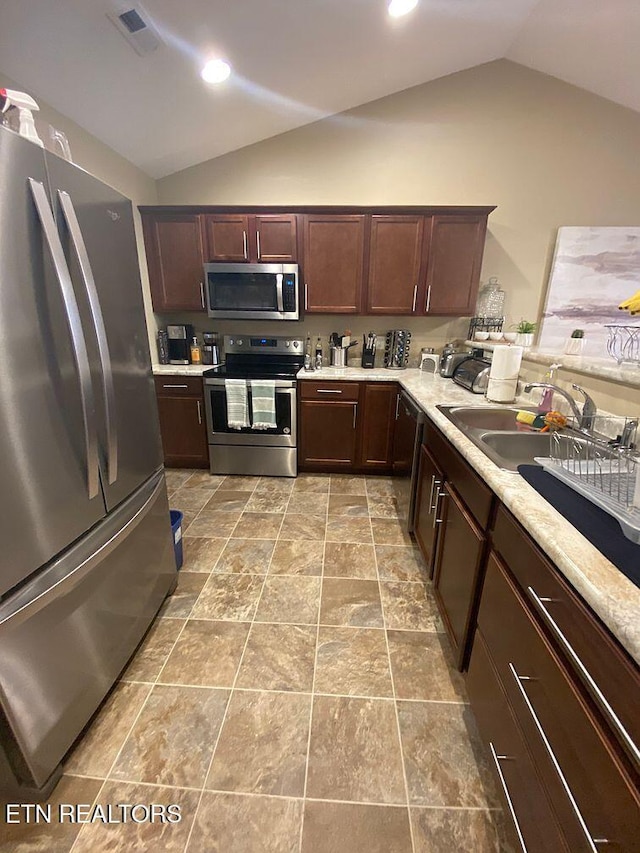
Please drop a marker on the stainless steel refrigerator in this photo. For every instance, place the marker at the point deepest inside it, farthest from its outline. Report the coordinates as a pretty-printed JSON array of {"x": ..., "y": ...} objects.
[{"x": 86, "y": 552}]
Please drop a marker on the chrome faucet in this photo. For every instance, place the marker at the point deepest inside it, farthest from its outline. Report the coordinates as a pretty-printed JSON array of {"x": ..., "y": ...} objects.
[{"x": 585, "y": 418}]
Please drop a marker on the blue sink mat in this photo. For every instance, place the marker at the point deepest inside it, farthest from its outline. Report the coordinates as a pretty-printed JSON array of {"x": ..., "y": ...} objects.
[{"x": 596, "y": 525}]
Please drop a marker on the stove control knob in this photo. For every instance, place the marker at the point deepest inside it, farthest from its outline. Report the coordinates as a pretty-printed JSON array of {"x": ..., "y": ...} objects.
[
  {"x": 240, "y": 342},
  {"x": 231, "y": 341},
  {"x": 287, "y": 343},
  {"x": 296, "y": 344}
]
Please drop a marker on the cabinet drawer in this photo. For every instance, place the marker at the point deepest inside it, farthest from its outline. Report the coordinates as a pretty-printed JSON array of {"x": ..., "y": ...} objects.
[
  {"x": 607, "y": 666},
  {"x": 310, "y": 390},
  {"x": 592, "y": 792},
  {"x": 526, "y": 804},
  {"x": 179, "y": 386},
  {"x": 474, "y": 492}
]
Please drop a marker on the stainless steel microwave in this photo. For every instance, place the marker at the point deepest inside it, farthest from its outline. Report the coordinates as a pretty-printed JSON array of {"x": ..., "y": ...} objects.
[{"x": 252, "y": 291}]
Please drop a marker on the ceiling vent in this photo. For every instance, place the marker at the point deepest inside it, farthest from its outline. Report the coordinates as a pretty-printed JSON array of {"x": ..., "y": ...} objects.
[{"x": 134, "y": 24}]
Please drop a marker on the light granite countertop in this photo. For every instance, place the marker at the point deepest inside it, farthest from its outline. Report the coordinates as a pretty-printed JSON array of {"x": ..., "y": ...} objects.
[
  {"x": 609, "y": 593},
  {"x": 180, "y": 369}
]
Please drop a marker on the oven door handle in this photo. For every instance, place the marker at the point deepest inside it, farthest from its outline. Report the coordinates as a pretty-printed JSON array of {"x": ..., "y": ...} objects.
[{"x": 279, "y": 300}]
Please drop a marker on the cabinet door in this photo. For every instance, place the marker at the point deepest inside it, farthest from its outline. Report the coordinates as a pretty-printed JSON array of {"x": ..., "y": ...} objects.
[
  {"x": 276, "y": 239},
  {"x": 395, "y": 284},
  {"x": 528, "y": 812},
  {"x": 227, "y": 237},
  {"x": 430, "y": 482},
  {"x": 333, "y": 263},
  {"x": 175, "y": 255},
  {"x": 457, "y": 569},
  {"x": 377, "y": 423},
  {"x": 453, "y": 264},
  {"x": 184, "y": 434},
  {"x": 328, "y": 433}
]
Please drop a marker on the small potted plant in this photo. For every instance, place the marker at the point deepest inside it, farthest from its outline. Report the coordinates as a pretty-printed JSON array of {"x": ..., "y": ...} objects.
[
  {"x": 525, "y": 330},
  {"x": 575, "y": 344}
]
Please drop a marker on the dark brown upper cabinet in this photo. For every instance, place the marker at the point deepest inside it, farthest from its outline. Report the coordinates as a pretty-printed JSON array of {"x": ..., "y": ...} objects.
[
  {"x": 333, "y": 263},
  {"x": 227, "y": 237},
  {"x": 454, "y": 258},
  {"x": 353, "y": 260},
  {"x": 276, "y": 238},
  {"x": 396, "y": 271},
  {"x": 175, "y": 255},
  {"x": 264, "y": 238}
]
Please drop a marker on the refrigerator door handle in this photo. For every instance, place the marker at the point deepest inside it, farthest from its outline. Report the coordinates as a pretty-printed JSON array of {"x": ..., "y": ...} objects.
[
  {"x": 74, "y": 324},
  {"x": 58, "y": 581},
  {"x": 100, "y": 330}
]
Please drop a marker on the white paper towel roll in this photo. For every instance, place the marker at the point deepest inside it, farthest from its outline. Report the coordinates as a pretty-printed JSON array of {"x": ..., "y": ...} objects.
[
  {"x": 501, "y": 390},
  {"x": 505, "y": 363}
]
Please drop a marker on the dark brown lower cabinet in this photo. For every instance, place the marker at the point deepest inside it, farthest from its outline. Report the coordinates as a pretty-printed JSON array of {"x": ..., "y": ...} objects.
[
  {"x": 328, "y": 432},
  {"x": 457, "y": 569},
  {"x": 430, "y": 481},
  {"x": 378, "y": 403},
  {"x": 591, "y": 786},
  {"x": 346, "y": 426},
  {"x": 182, "y": 422},
  {"x": 530, "y": 817}
]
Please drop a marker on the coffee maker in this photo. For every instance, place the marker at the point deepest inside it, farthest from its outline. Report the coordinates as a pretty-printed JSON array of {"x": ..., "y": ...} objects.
[
  {"x": 211, "y": 349},
  {"x": 179, "y": 340}
]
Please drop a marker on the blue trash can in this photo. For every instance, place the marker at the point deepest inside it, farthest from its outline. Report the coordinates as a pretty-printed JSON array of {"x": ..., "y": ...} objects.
[{"x": 176, "y": 530}]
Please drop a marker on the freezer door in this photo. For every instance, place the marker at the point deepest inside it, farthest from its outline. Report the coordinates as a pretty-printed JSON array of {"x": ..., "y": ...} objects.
[
  {"x": 97, "y": 232},
  {"x": 47, "y": 431},
  {"x": 68, "y": 633}
]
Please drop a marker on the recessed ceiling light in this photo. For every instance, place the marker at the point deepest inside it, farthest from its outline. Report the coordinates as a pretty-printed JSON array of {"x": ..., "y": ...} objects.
[
  {"x": 397, "y": 8},
  {"x": 215, "y": 71}
]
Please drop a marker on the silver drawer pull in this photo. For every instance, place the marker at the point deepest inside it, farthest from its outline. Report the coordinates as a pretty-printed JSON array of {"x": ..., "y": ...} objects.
[
  {"x": 585, "y": 675},
  {"x": 199, "y": 411},
  {"x": 355, "y": 414},
  {"x": 415, "y": 296},
  {"x": 433, "y": 497},
  {"x": 497, "y": 759},
  {"x": 327, "y": 391},
  {"x": 436, "y": 507},
  {"x": 202, "y": 294},
  {"x": 518, "y": 680},
  {"x": 175, "y": 386}
]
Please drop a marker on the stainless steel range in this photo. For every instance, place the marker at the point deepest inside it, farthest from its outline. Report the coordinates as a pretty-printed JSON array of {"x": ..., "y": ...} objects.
[{"x": 267, "y": 451}]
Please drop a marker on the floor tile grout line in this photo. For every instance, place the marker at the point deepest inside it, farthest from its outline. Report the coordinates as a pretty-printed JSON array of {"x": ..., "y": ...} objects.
[
  {"x": 96, "y": 799},
  {"x": 313, "y": 680},
  {"x": 395, "y": 702}
]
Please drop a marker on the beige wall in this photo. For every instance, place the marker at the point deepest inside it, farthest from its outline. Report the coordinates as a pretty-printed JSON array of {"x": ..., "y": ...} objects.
[
  {"x": 110, "y": 167},
  {"x": 546, "y": 153}
]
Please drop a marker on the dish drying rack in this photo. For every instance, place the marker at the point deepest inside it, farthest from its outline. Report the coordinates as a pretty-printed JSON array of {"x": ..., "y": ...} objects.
[
  {"x": 624, "y": 343},
  {"x": 602, "y": 471}
]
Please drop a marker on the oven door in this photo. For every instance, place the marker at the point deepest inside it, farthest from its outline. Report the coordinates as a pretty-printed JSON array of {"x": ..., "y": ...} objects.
[
  {"x": 252, "y": 291},
  {"x": 219, "y": 432}
]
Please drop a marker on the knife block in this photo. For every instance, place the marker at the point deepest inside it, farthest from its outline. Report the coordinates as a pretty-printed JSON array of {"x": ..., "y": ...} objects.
[{"x": 368, "y": 358}]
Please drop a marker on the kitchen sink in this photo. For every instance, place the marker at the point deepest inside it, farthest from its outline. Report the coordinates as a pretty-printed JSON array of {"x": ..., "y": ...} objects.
[{"x": 493, "y": 430}]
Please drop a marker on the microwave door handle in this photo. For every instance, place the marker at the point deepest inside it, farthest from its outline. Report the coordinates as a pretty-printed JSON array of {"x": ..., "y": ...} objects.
[
  {"x": 100, "y": 330},
  {"x": 74, "y": 324},
  {"x": 279, "y": 301}
]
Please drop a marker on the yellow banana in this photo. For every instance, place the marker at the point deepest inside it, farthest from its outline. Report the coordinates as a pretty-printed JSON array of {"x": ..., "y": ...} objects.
[{"x": 632, "y": 303}]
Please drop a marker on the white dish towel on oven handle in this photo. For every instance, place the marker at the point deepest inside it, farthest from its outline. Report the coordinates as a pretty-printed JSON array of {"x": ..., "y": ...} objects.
[
  {"x": 237, "y": 403},
  {"x": 263, "y": 404}
]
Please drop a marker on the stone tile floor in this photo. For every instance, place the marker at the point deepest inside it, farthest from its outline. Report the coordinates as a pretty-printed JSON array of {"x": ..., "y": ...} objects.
[{"x": 295, "y": 695}]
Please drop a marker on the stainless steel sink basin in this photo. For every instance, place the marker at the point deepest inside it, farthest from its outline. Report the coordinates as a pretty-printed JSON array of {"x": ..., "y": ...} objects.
[
  {"x": 481, "y": 417},
  {"x": 510, "y": 449},
  {"x": 493, "y": 430}
]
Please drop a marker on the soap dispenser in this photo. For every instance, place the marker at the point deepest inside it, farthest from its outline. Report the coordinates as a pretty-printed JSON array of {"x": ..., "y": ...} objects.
[{"x": 546, "y": 401}]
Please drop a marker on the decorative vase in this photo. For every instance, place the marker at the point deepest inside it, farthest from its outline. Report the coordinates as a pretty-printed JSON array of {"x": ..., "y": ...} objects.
[{"x": 523, "y": 340}]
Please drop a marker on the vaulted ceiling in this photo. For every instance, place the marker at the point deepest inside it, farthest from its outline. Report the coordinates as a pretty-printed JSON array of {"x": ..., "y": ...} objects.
[{"x": 294, "y": 61}]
